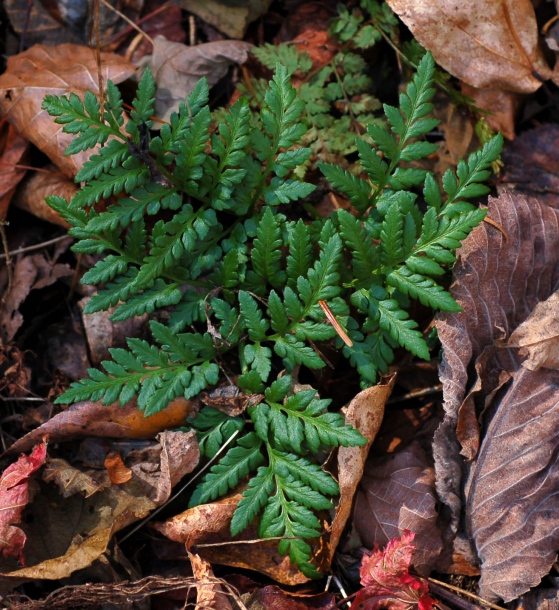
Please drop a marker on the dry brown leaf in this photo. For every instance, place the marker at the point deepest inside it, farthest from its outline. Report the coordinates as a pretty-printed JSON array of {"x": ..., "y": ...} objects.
[
  {"x": 56, "y": 70},
  {"x": 532, "y": 163},
  {"x": 274, "y": 598},
  {"x": 30, "y": 273},
  {"x": 35, "y": 188},
  {"x": 209, "y": 592},
  {"x": 538, "y": 336},
  {"x": 365, "y": 413},
  {"x": 502, "y": 107},
  {"x": 113, "y": 421},
  {"x": 397, "y": 493},
  {"x": 118, "y": 472},
  {"x": 177, "y": 68},
  {"x": 510, "y": 484},
  {"x": 14, "y": 152},
  {"x": 210, "y": 524},
  {"x": 231, "y": 17},
  {"x": 489, "y": 44},
  {"x": 69, "y": 533},
  {"x": 102, "y": 333}
]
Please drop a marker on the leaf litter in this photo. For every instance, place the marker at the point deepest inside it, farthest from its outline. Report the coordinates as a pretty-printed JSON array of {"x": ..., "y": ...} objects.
[{"x": 488, "y": 504}]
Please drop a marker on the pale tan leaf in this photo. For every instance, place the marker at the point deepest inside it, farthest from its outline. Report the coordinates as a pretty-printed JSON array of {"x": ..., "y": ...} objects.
[
  {"x": 35, "y": 188},
  {"x": 57, "y": 70},
  {"x": 487, "y": 44},
  {"x": 365, "y": 413},
  {"x": 210, "y": 524},
  {"x": 209, "y": 593},
  {"x": 538, "y": 336},
  {"x": 177, "y": 68}
]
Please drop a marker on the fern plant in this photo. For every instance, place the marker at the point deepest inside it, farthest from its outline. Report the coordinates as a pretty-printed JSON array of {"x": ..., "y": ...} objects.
[
  {"x": 198, "y": 223},
  {"x": 338, "y": 105}
]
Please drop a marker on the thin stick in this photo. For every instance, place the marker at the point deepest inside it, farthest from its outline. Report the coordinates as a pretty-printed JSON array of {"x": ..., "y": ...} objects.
[
  {"x": 37, "y": 169},
  {"x": 126, "y": 31},
  {"x": 466, "y": 593},
  {"x": 43, "y": 244},
  {"x": 189, "y": 482},
  {"x": 229, "y": 542},
  {"x": 337, "y": 326},
  {"x": 191, "y": 30},
  {"x": 499, "y": 227},
  {"x": 8, "y": 263},
  {"x": 128, "y": 20},
  {"x": 341, "y": 588},
  {"x": 416, "y": 394}
]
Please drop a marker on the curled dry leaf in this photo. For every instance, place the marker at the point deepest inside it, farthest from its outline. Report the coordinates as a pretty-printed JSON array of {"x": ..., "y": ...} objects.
[
  {"x": 62, "y": 514},
  {"x": 14, "y": 495},
  {"x": 365, "y": 413},
  {"x": 39, "y": 185},
  {"x": 75, "y": 519},
  {"x": 397, "y": 493},
  {"x": 510, "y": 483},
  {"x": 115, "y": 421},
  {"x": 177, "y": 68},
  {"x": 210, "y": 524},
  {"x": 14, "y": 152},
  {"x": 538, "y": 336},
  {"x": 57, "y": 70},
  {"x": 208, "y": 588},
  {"x": 489, "y": 44},
  {"x": 387, "y": 582}
]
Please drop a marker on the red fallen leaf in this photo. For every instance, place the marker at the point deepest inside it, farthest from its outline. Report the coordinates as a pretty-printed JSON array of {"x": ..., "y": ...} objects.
[
  {"x": 14, "y": 495},
  {"x": 387, "y": 582}
]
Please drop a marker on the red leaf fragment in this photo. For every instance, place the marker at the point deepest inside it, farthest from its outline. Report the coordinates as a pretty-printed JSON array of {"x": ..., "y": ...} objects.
[
  {"x": 387, "y": 582},
  {"x": 14, "y": 495}
]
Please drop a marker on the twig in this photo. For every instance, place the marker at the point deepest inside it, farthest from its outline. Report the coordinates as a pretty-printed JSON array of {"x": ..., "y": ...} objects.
[
  {"x": 128, "y": 20},
  {"x": 43, "y": 244},
  {"x": 36, "y": 169},
  {"x": 127, "y": 31},
  {"x": 189, "y": 482},
  {"x": 229, "y": 542},
  {"x": 8, "y": 263},
  {"x": 466, "y": 593},
  {"x": 341, "y": 588},
  {"x": 191, "y": 30},
  {"x": 416, "y": 394}
]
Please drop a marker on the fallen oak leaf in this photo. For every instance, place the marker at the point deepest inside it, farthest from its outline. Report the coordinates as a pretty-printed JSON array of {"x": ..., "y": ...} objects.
[
  {"x": 14, "y": 495},
  {"x": 387, "y": 582}
]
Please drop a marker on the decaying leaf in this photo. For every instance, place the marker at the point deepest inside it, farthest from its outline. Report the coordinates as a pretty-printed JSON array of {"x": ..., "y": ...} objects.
[
  {"x": 397, "y": 493},
  {"x": 387, "y": 582},
  {"x": 39, "y": 185},
  {"x": 113, "y": 421},
  {"x": 14, "y": 495},
  {"x": 510, "y": 417},
  {"x": 56, "y": 70},
  {"x": 103, "y": 333},
  {"x": 489, "y": 44},
  {"x": 75, "y": 519},
  {"x": 531, "y": 163},
  {"x": 177, "y": 68},
  {"x": 210, "y": 524},
  {"x": 231, "y": 17},
  {"x": 208, "y": 589},
  {"x": 30, "y": 273},
  {"x": 538, "y": 336},
  {"x": 365, "y": 413},
  {"x": 14, "y": 150}
]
